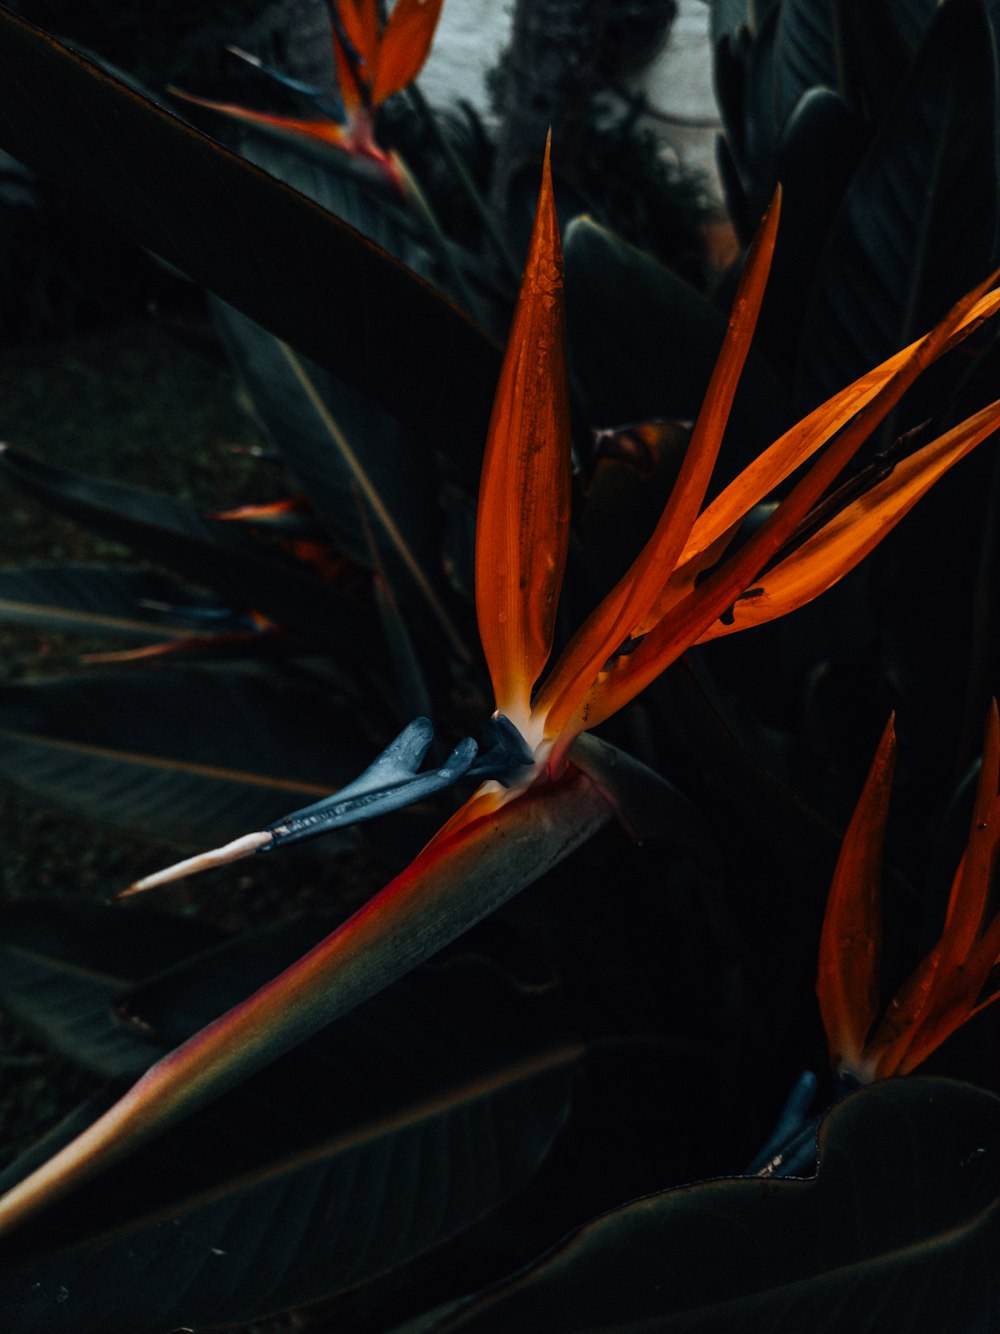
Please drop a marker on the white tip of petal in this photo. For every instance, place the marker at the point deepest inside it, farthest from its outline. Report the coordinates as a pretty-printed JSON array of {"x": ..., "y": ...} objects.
[{"x": 204, "y": 861}]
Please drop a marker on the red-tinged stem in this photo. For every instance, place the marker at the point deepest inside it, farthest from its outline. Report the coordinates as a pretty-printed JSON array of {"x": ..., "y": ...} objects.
[{"x": 456, "y": 881}]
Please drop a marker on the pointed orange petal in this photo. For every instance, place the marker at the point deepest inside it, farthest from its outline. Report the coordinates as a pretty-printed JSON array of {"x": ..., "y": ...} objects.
[
  {"x": 970, "y": 892},
  {"x": 327, "y": 131},
  {"x": 625, "y": 606},
  {"x": 359, "y": 20},
  {"x": 405, "y": 45},
  {"x": 966, "y": 954},
  {"x": 801, "y": 441},
  {"x": 953, "y": 1001},
  {"x": 943, "y": 992},
  {"x": 522, "y": 523},
  {"x": 847, "y": 539},
  {"x": 847, "y": 979},
  {"x": 688, "y": 622}
]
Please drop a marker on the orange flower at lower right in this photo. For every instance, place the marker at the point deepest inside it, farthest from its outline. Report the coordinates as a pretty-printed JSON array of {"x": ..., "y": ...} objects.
[{"x": 953, "y": 982}]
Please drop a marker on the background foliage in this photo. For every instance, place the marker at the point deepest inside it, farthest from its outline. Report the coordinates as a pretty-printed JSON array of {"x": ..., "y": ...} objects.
[{"x": 555, "y": 1078}]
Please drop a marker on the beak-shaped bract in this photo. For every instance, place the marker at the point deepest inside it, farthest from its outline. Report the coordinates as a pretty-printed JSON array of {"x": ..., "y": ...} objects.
[{"x": 951, "y": 984}]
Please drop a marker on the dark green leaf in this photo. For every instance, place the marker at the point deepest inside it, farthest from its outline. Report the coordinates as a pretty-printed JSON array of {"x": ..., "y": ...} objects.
[
  {"x": 63, "y": 965},
  {"x": 899, "y": 1231},
  {"x": 797, "y": 839},
  {"x": 817, "y": 153},
  {"x": 729, "y": 72},
  {"x": 196, "y": 754},
  {"x": 307, "y": 277},
  {"x": 917, "y": 228},
  {"x": 872, "y": 54},
  {"x": 371, "y": 480},
  {"x": 251, "y": 574},
  {"x": 760, "y": 121},
  {"x": 393, "y": 1130},
  {"x": 108, "y": 600},
  {"x": 643, "y": 343},
  {"x": 726, "y": 16},
  {"x": 914, "y": 17},
  {"x": 803, "y": 53},
  {"x": 192, "y": 990}
]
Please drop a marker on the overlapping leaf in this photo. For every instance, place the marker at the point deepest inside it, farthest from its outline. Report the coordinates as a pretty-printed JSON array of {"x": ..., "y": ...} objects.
[
  {"x": 804, "y": 55},
  {"x": 251, "y": 575},
  {"x": 370, "y": 478},
  {"x": 918, "y": 224},
  {"x": 109, "y": 600},
  {"x": 64, "y": 964},
  {"x": 287, "y": 263},
  {"x": 379, "y": 1139},
  {"x": 904, "y": 1212},
  {"x": 195, "y": 754},
  {"x": 643, "y": 343}
]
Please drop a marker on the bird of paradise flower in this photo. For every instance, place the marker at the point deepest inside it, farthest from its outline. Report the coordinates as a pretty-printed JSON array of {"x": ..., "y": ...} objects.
[
  {"x": 372, "y": 63},
  {"x": 562, "y": 785},
  {"x": 952, "y": 983}
]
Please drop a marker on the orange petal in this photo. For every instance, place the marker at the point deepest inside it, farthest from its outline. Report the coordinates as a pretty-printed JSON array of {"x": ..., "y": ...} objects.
[
  {"x": 953, "y": 1001},
  {"x": 945, "y": 990},
  {"x": 359, "y": 20},
  {"x": 625, "y": 606},
  {"x": 759, "y": 478},
  {"x": 522, "y": 524},
  {"x": 405, "y": 46},
  {"x": 970, "y": 892},
  {"x": 847, "y": 980},
  {"x": 327, "y": 131},
  {"x": 849, "y": 536},
  {"x": 688, "y": 622}
]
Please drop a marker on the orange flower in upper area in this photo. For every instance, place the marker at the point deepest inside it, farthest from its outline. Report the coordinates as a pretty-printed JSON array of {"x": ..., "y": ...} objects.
[
  {"x": 953, "y": 982},
  {"x": 682, "y": 589},
  {"x": 372, "y": 63}
]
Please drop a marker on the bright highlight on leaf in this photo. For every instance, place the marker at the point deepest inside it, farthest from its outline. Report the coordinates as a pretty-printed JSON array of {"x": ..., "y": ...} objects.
[{"x": 953, "y": 982}]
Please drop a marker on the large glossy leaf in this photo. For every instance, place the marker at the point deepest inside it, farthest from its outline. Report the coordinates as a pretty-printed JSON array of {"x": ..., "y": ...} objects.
[
  {"x": 643, "y": 343},
  {"x": 109, "y": 600},
  {"x": 371, "y": 479},
  {"x": 726, "y": 16},
  {"x": 252, "y": 575},
  {"x": 760, "y": 121},
  {"x": 899, "y": 1231},
  {"x": 195, "y": 754},
  {"x": 63, "y": 965},
  {"x": 872, "y": 54},
  {"x": 917, "y": 227},
  {"x": 913, "y": 17},
  {"x": 372, "y": 482},
  {"x": 288, "y": 264},
  {"x": 804, "y": 57},
  {"x": 815, "y": 157},
  {"x": 393, "y": 1130}
]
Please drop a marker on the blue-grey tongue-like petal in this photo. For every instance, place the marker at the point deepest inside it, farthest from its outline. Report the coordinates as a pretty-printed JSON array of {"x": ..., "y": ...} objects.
[{"x": 388, "y": 784}]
